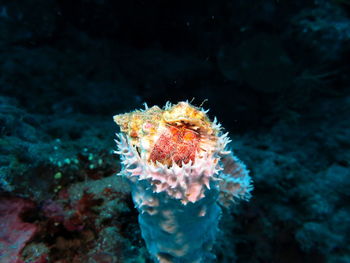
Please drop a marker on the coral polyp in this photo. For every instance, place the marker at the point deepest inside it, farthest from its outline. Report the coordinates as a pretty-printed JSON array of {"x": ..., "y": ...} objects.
[{"x": 172, "y": 157}]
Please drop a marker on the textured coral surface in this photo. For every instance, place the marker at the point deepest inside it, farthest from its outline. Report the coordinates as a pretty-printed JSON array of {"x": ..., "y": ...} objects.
[
  {"x": 14, "y": 233},
  {"x": 174, "y": 166},
  {"x": 177, "y": 145},
  {"x": 178, "y": 150}
]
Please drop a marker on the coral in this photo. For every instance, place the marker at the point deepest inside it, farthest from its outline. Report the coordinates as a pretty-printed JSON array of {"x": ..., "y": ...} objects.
[
  {"x": 173, "y": 158},
  {"x": 87, "y": 221},
  {"x": 39, "y": 157},
  {"x": 36, "y": 253},
  {"x": 14, "y": 233}
]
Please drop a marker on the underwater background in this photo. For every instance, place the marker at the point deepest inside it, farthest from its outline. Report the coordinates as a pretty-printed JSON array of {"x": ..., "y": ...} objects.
[{"x": 275, "y": 73}]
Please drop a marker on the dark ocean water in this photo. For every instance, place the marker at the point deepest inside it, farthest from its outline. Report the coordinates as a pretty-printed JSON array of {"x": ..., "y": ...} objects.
[{"x": 275, "y": 73}]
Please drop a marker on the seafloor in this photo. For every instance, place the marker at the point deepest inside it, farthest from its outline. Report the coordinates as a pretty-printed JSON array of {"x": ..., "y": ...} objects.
[{"x": 276, "y": 75}]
